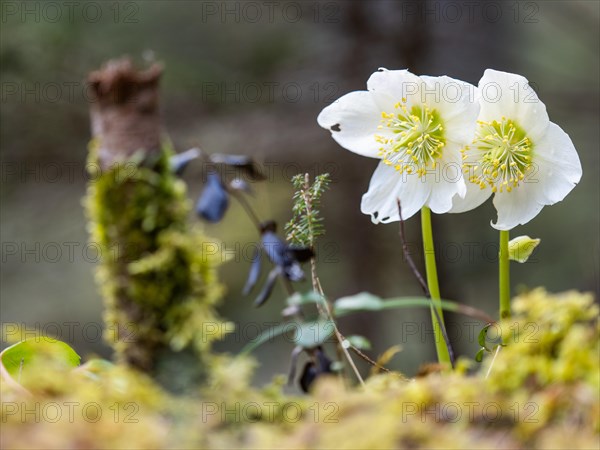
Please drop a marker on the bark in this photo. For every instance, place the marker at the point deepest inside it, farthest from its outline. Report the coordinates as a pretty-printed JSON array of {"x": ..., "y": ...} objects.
[{"x": 125, "y": 110}]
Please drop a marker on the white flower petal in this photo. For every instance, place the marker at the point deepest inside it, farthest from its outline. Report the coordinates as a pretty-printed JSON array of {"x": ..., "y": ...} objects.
[
  {"x": 391, "y": 86},
  {"x": 474, "y": 197},
  {"x": 386, "y": 187},
  {"x": 519, "y": 206},
  {"x": 558, "y": 164},
  {"x": 504, "y": 94},
  {"x": 458, "y": 104},
  {"x": 460, "y": 129},
  {"x": 356, "y": 116},
  {"x": 446, "y": 180},
  {"x": 442, "y": 193},
  {"x": 495, "y": 96}
]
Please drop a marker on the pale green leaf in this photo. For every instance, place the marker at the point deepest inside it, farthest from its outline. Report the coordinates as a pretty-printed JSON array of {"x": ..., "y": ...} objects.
[
  {"x": 44, "y": 350},
  {"x": 313, "y": 334},
  {"x": 359, "y": 302},
  {"x": 360, "y": 342},
  {"x": 521, "y": 248}
]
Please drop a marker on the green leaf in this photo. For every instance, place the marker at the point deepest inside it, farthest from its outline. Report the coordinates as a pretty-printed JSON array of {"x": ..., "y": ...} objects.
[
  {"x": 351, "y": 304},
  {"x": 298, "y": 299},
  {"x": 359, "y": 302},
  {"x": 369, "y": 302},
  {"x": 96, "y": 368},
  {"x": 40, "y": 350},
  {"x": 307, "y": 334},
  {"x": 360, "y": 342},
  {"x": 410, "y": 302},
  {"x": 313, "y": 334},
  {"x": 481, "y": 339},
  {"x": 521, "y": 248},
  {"x": 266, "y": 336},
  {"x": 337, "y": 366},
  {"x": 479, "y": 355}
]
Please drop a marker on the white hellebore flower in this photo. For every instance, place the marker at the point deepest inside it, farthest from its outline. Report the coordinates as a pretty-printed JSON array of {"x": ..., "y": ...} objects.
[
  {"x": 518, "y": 155},
  {"x": 416, "y": 126}
]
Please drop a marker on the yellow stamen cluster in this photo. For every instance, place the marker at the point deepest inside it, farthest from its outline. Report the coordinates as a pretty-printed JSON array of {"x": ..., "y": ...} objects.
[
  {"x": 502, "y": 153},
  {"x": 418, "y": 138}
]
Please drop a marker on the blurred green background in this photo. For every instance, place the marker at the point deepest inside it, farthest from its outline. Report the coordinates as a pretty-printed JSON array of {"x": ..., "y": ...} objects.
[{"x": 251, "y": 77}]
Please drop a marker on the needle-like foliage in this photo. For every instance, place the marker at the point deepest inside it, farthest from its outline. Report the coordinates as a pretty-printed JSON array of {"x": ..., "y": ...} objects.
[{"x": 306, "y": 224}]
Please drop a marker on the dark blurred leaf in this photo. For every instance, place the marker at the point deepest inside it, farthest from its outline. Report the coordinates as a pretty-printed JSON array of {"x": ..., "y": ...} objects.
[
  {"x": 301, "y": 254},
  {"x": 314, "y": 370},
  {"x": 274, "y": 247},
  {"x": 294, "y": 363},
  {"x": 231, "y": 160},
  {"x": 268, "y": 225},
  {"x": 237, "y": 184},
  {"x": 254, "y": 272},
  {"x": 214, "y": 200},
  {"x": 309, "y": 375},
  {"x": 243, "y": 162},
  {"x": 293, "y": 271},
  {"x": 324, "y": 361},
  {"x": 180, "y": 161},
  {"x": 268, "y": 287},
  {"x": 278, "y": 252}
]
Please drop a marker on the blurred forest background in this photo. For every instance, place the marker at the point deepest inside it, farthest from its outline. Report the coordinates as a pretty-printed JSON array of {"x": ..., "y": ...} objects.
[{"x": 251, "y": 77}]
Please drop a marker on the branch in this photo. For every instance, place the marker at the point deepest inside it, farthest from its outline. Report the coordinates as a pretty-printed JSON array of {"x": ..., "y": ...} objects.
[{"x": 124, "y": 110}]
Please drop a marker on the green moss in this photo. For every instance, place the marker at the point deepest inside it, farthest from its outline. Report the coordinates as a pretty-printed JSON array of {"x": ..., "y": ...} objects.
[
  {"x": 552, "y": 339},
  {"x": 542, "y": 394},
  {"x": 159, "y": 286},
  {"x": 540, "y": 391}
]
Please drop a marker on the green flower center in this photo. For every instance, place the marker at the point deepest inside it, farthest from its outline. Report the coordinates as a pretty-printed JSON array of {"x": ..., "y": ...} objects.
[
  {"x": 503, "y": 158},
  {"x": 418, "y": 138}
]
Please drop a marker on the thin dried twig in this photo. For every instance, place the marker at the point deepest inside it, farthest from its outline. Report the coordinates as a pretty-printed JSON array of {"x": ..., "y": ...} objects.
[
  {"x": 493, "y": 361},
  {"x": 352, "y": 347},
  {"x": 408, "y": 257},
  {"x": 375, "y": 364},
  {"x": 475, "y": 313},
  {"x": 325, "y": 308},
  {"x": 423, "y": 284}
]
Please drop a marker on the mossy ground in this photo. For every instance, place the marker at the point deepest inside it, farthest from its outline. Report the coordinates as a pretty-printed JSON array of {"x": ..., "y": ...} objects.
[{"x": 540, "y": 391}]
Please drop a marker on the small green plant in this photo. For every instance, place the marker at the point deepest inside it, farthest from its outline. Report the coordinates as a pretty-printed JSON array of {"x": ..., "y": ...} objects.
[{"x": 306, "y": 224}]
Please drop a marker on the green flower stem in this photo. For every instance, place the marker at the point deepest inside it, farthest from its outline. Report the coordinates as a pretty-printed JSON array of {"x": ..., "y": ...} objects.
[
  {"x": 504, "y": 272},
  {"x": 432, "y": 284}
]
